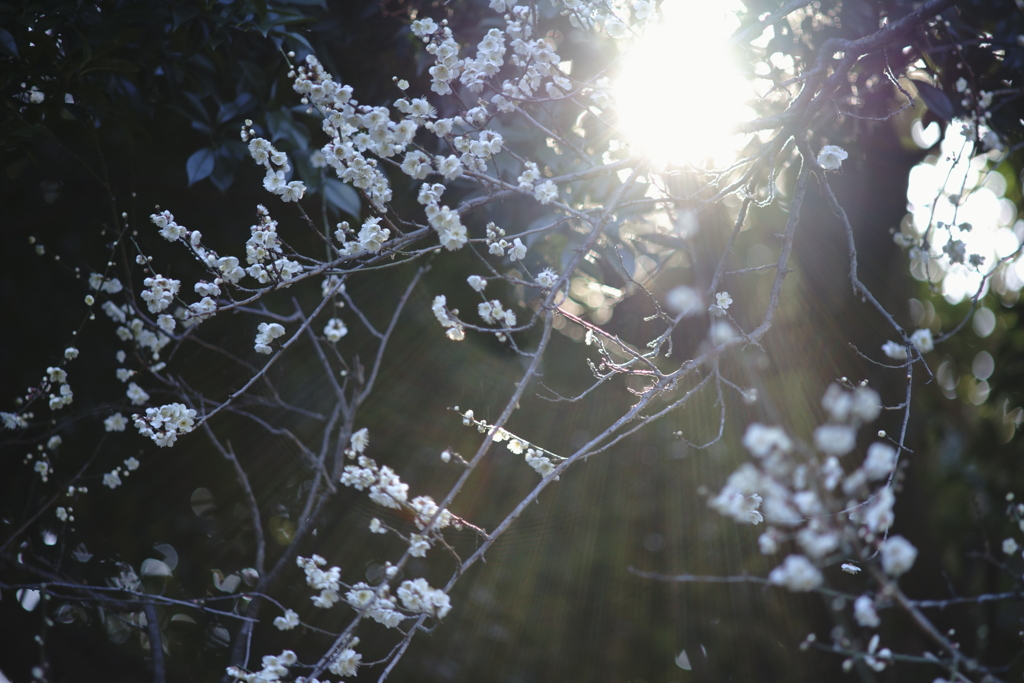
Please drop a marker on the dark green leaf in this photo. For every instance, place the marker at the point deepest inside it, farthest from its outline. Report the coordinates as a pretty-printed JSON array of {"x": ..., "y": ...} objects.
[
  {"x": 342, "y": 196},
  {"x": 936, "y": 100},
  {"x": 7, "y": 42},
  {"x": 199, "y": 165}
]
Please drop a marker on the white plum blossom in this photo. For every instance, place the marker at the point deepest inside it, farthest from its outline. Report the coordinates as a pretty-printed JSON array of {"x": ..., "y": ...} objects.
[
  {"x": 864, "y": 612},
  {"x": 164, "y": 424},
  {"x": 439, "y": 307},
  {"x": 115, "y": 423},
  {"x": 137, "y": 394},
  {"x": 360, "y": 440},
  {"x": 418, "y": 545},
  {"x": 722, "y": 303},
  {"x": 371, "y": 236},
  {"x": 345, "y": 662},
  {"x": 335, "y": 330},
  {"x": 922, "y": 339},
  {"x": 898, "y": 555},
  {"x": 768, "y": 542},
  {"x": 894, "y": 350},
  {"x": 835, "y": 439},
  {"x": 762, "y": 440},
  {"x": 159, "y": 292},
  {"x": 1010, "y": 546},
  {"x": 796, "y": 573},
  {"x": 266, "y": 333},
  {"x": 112, "y": 479},
  {"x": 817, "y": 542},
  {"x": 878, "y": 515},
  {"x": 546, "y": 192},
  {"x": 540, "y": 463},
  {"x": 547, "y": 278},
  {"x": 287, "y": 622},
  {"x": 739, "y": 499},
  {"x": 389, "y": 491},
  {"x": 327, "y": 582},
  {"x": 426, "y": 509},
  {"x": 169, "y": 230},
  {"x": 880, "y": 461},
  {"x": 831, "y": 158},
  {"x": 517, "y": 252},
  {"x": 477, "y": 283},
  {"x": 418, "y": 597},
  {"x": 201, "y": 310}
]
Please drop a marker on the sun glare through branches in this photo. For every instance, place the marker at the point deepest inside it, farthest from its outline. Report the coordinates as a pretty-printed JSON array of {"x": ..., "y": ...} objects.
[{"x": 678, "y": 91}]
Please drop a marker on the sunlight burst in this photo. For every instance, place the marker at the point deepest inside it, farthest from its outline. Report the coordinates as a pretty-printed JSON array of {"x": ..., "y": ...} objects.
[{"x": 679, "y": 93}]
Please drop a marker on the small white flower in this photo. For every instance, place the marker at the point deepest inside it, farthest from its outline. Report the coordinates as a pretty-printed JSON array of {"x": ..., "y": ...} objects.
[
  {"x": 1009, "y": 546},
  {"x": 517, "y": 252},
  {"x": 835, "y": 439},
  {"x": 864, "y": 612},
  {"x": 796, "y": 573},
  {"x": 894, "y": 350},
  {"x": 360, "y": 440},
  {"x": 335, "y": 330},
  {"x": 831, "y": 158},
  {"x": 922, "y": 339},
  {"x": 547, "y": 278},
  {"x": 115, "y": 423},
  {"x": 898, "y": 555},
  {"x": 880, "y": 461},
  {"x": 850, "y": 568},
  {"x": 289, "y": 621},
  {"x": 376, "y": 527},
  {"x": 476, "y": 282},
  {"x": 136, "y": 394}
]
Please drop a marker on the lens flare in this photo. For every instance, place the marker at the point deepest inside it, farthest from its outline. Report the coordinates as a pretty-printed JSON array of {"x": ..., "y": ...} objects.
[{"x": 679, "y": 92}]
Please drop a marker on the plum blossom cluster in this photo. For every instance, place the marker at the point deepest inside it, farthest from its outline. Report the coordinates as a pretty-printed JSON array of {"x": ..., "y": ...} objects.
[
  {"x": 345, "y": 662},
  {"x": 107, "y": 285},
  {"x": 265, "y": 334},
  {"x": 442, "y": 219},
  {"x": 921, "y": 339},
  {"x": 447, "y": 318},
  {"x": 112, "y": 479},
  {"x": 136, "y": 330},
  {"x": 59, "y": 393},
  {"x": 497, "y": 245},
  {"x": 160, "y": 292},
  {"x": 263, "y": 245},
  {"x": 542, "y": 461},
  {"x": 164, "y": 424},
  {"x": 376, "y": 603},
  {"x": 385, "y": 487},
  {"x": 327, "y": 582},
  {"x": 418, "y": 597},
  {"x": 275, "y": 668},
  {"x": 808, "y": 497},
  {"x": 276, "y": 164}
]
